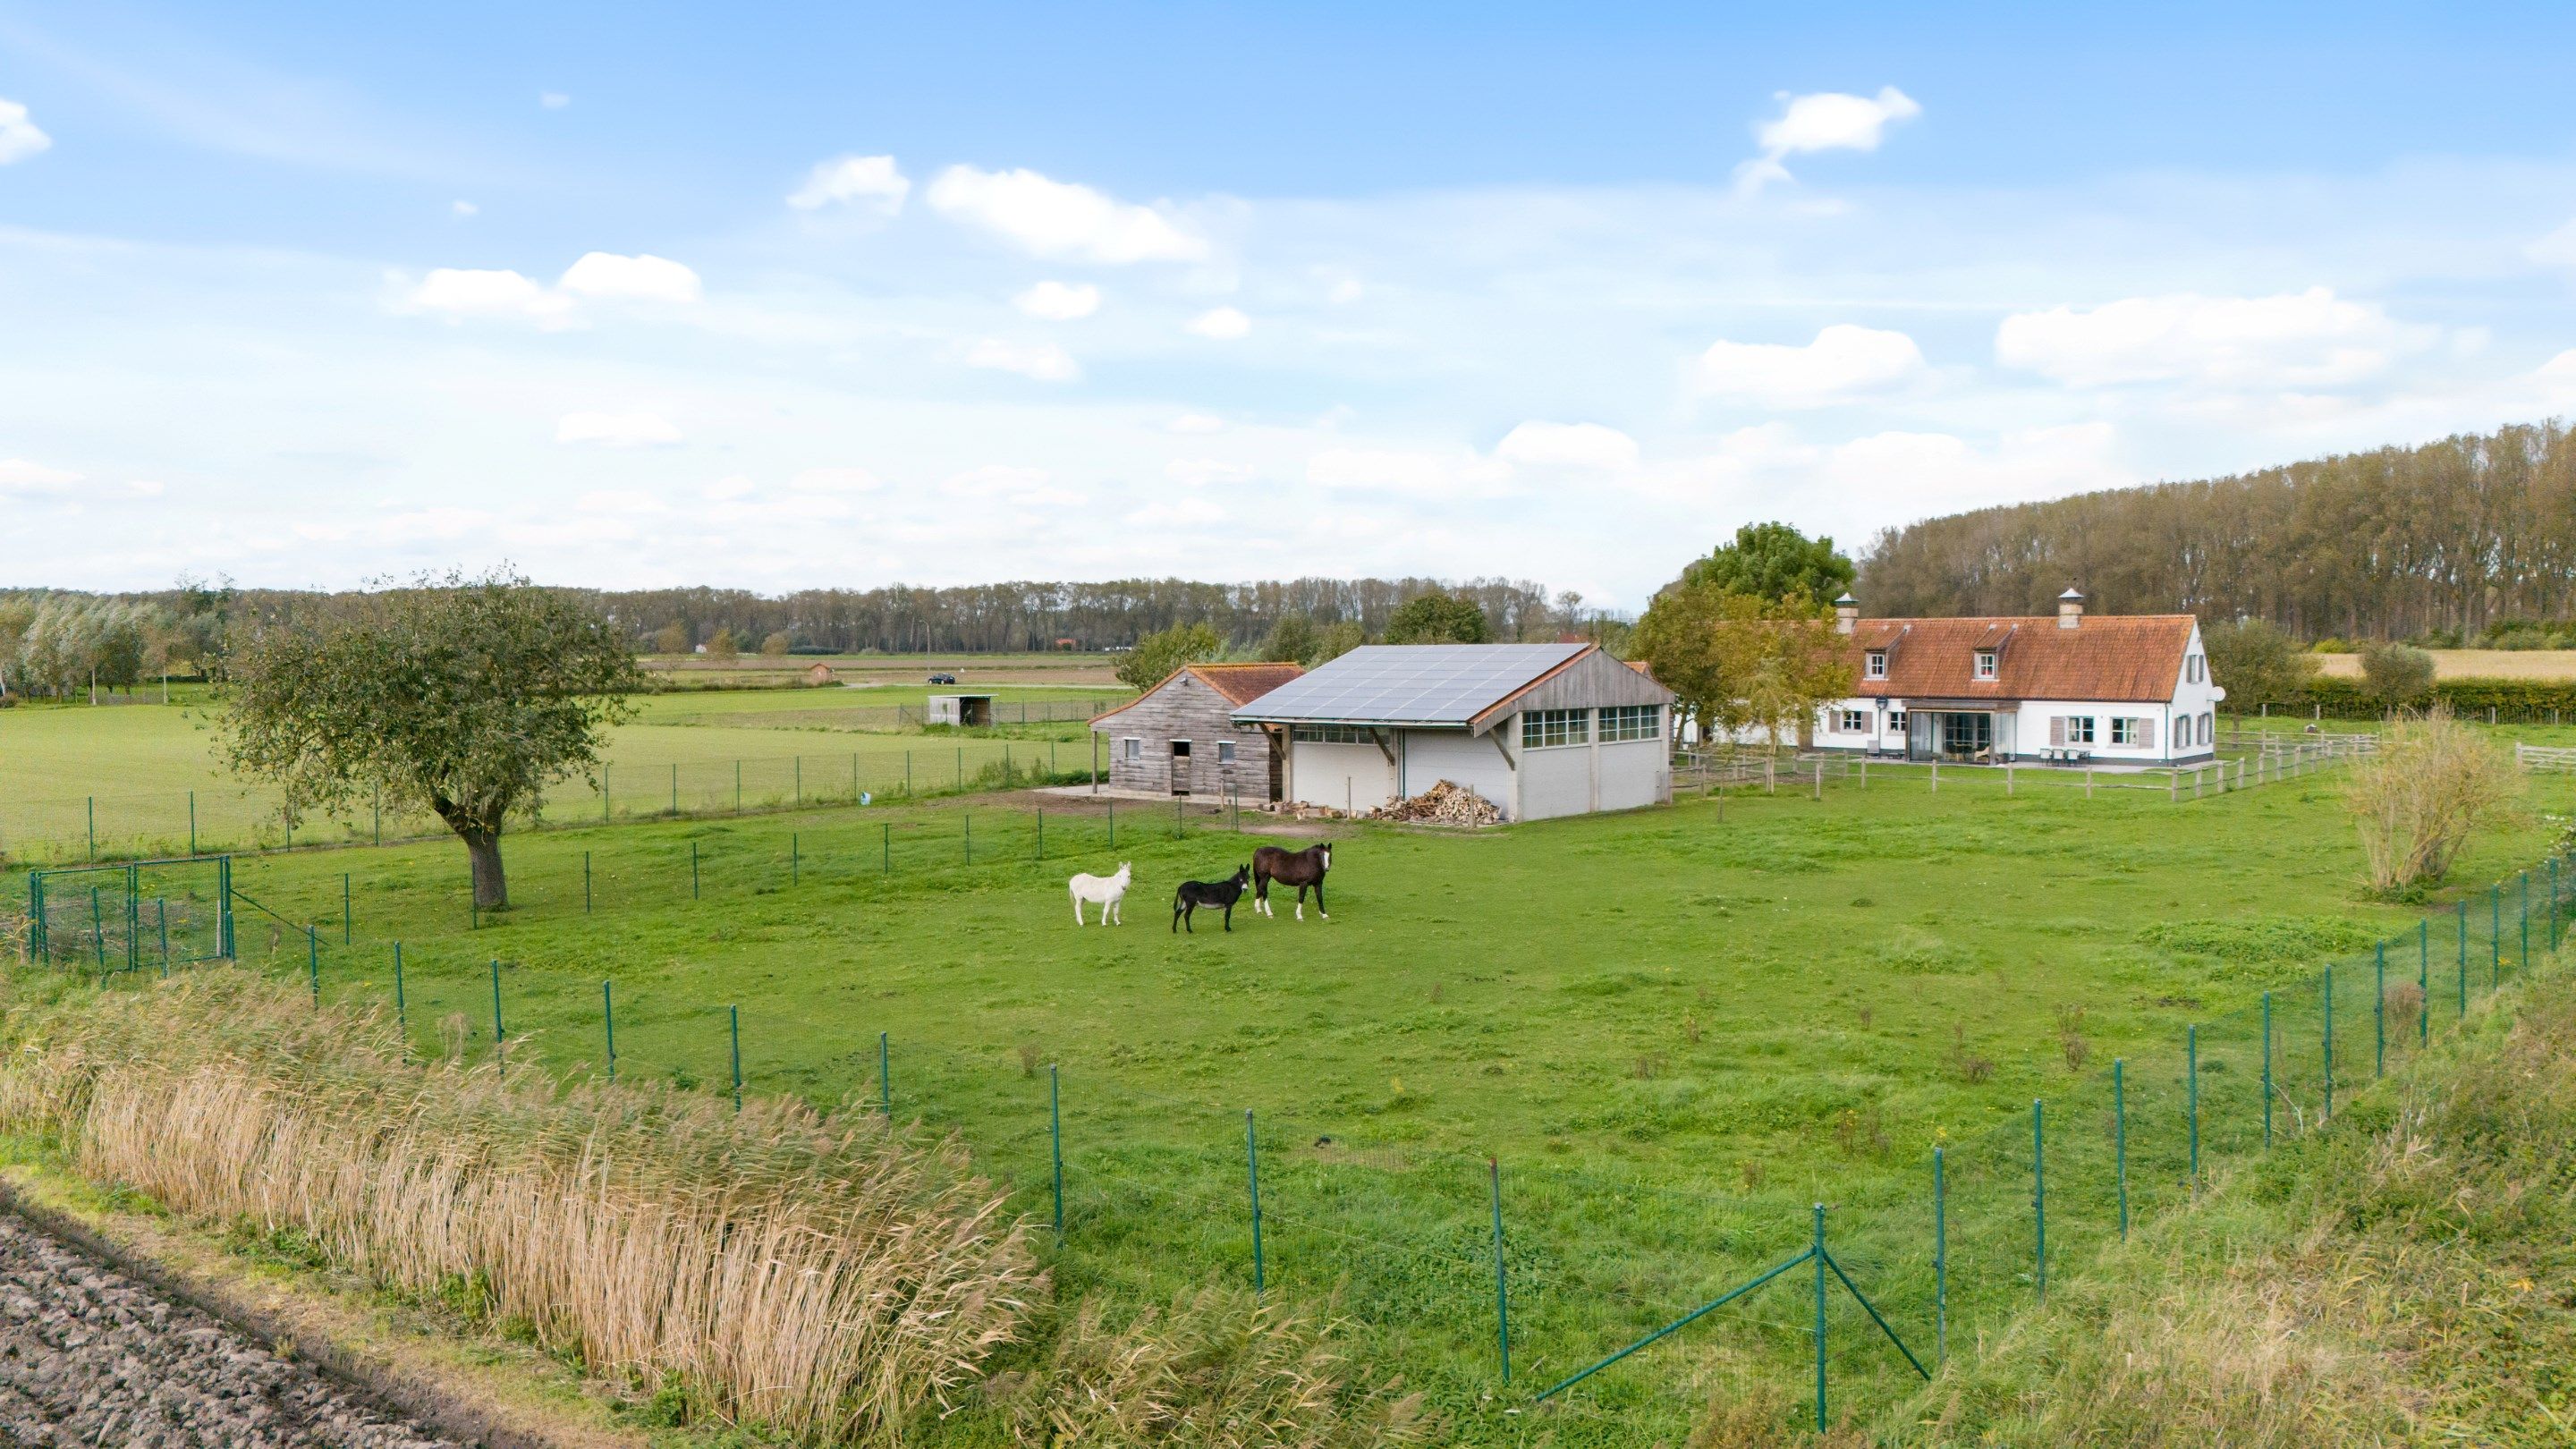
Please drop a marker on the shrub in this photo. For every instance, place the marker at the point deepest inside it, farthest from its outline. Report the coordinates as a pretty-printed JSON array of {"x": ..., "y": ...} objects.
[
  {"x": 2430, "y": 786},
  {"x": 777, "y": 644},
  {"x": 2396, "y": 674}
]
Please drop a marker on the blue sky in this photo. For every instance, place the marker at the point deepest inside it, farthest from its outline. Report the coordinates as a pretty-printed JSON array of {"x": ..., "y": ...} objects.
[{"x": 778, "y": 296}]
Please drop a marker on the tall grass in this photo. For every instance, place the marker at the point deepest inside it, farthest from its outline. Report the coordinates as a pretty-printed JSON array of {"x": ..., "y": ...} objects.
[
  {"x": 823, "y": 1275},
  {"x": 2418, "y": 799}
]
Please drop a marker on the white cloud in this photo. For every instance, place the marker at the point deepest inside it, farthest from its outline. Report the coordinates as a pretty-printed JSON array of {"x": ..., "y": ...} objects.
[
  {"x": 17, "y": 475},
  {"x": 1008, "y": 483},
  {"x": 553, "y": 100},
  {"x": 1041, "y": 360},
  {"x": 1223, "y": 324},
  {"x": 644, "y": 278},
  {"x": 1586, "y": 446},
  {"x": 1059, "y": 301},
  {"x": 146, "y": 487},
  {"x": 1199, "y": 472},
  {"x": 1824, "y": 121},
  {"x": 1346, "y": 291},
  {"x": 1177, "y": 513},
  {"x": 462, "y": 207},
  {"x": 833, "y": 480},
  {"x": 875, "y": 180},
  {"x": 617, "y": 430},
  {"x": 1195, "y": 423},
  {"x": 477, "y": 292},
  {"x": 1843, "y": 362},
  {"x": 2303, "y": 339},
  {"x": 731, "y": 486},
  {"x": 1049, "y": 218},
  {"x": 20, "y": 137},
  {"x": 2558, "y": 248},
  {"x": 620, "y": 500},
  {"x": 438, "y": 524},
  {"x": 1395, "y": 470}
]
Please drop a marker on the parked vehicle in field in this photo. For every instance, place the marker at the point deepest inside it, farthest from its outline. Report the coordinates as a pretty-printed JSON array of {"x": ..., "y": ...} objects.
[{"x": 943, "y": 679}]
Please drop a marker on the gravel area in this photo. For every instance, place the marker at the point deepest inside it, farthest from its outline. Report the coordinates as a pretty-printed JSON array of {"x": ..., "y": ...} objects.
[{"x": 90, "y": 1357}]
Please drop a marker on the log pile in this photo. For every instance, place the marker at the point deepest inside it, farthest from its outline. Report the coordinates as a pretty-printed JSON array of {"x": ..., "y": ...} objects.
[{"x": 1446, "y": 803}]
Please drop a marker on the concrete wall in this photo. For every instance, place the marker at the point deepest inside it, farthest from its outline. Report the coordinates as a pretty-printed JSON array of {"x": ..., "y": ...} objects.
[
  {"x": 1322, "y": 774},
  {"x": 1431, "y": 756}
]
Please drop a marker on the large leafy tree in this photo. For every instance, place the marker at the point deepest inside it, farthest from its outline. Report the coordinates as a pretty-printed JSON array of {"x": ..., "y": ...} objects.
[
  {"x": 1741, "y": 662},
  {"x": 1157, "y": 655},
  {"x": 462, "y": 696},
  {"x": 1437, "y": 618},
  {"x": 1777, "y": 563},
  {"x": 2256, "y": 663}
]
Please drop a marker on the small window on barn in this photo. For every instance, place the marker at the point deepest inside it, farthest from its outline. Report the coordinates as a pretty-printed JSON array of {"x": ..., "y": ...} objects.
[
  {"x": 1135, "y": 747},
  {"x": 1874, "y": 665},
  {"x": 1985, "y": 664},
  {"x": 1630, "y": 722},
  {"x": 1333, "y": 735},
  {"x": 2124, "y": 731},
  {"x": 2079, "y": 729},
  {"x": 1225, "y": 752},
  {"x": 1545, "y": 728}
]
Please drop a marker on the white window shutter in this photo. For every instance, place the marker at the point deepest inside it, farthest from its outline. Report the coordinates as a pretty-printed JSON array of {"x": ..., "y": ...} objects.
[
  {"x": 2057, "y": 729},
  {"x": 2147, "y": 733}
]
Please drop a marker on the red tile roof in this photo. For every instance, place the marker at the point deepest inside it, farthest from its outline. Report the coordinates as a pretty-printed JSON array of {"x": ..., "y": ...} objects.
[
  {"x": 1241, "y": 684},
  {"x": 2109, "y": 657}
]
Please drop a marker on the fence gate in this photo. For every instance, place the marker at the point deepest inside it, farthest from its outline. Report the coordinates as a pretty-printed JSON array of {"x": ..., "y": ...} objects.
[{"x": 143, "y": 915}]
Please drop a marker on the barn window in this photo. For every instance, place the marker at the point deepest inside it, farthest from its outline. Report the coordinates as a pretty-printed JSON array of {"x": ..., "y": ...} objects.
[
  {"x": 2079, "y": 729},
  {"x": 1225, "y": 752},
  {"x": 1628, "y": 722},
  {"x": 1874, "y": 665},
  {"x": 1985, "y": 664},
  {"x": 1544, "y": 728},
  {"x": 1135, "y": 747},
  {"x": 1334, "y": 735}
]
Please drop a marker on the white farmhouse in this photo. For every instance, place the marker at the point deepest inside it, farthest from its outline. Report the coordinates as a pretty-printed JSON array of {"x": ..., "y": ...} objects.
[
  {"x": 1539, "y": 729},
  {"x": 2133, "y": 689}
]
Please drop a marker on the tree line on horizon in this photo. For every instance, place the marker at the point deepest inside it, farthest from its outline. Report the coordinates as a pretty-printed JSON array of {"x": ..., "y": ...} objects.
[{"x": 2469, "y": 539}]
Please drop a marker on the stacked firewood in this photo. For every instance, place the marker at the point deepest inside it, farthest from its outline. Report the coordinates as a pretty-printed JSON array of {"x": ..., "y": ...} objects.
[{"x": 1446, "y": 803}]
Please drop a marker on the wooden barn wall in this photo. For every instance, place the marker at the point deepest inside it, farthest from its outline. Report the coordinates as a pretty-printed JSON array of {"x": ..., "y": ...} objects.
[
  {"x": 1186, "y": 709},
  {"x": 1594, "y": 682}
]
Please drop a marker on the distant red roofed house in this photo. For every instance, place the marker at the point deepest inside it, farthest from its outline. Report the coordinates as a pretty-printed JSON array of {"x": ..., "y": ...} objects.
[
  {"x": 2131, "y": 689},
  {"x": 1180, "y": 738}
]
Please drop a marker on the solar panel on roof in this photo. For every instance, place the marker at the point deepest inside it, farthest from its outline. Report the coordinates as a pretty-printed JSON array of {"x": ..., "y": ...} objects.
[{"x": 1409, "y": 684}]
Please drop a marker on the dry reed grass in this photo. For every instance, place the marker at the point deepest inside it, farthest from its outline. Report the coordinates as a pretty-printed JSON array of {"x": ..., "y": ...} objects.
[
  {"x": 2432, "y": 782},
  {"x": 826, "y": 1276}
]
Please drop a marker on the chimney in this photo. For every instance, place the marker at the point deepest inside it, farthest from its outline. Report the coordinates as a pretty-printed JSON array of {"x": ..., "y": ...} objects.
[
  {"x": 1846, "y": 613},
  {"x": 2070, "y": 610}
]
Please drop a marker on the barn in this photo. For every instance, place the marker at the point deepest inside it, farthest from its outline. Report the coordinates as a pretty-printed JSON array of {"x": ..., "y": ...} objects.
[
  {"x": 1540, "y": 730},
  {"x": 1180, "y": 737}
]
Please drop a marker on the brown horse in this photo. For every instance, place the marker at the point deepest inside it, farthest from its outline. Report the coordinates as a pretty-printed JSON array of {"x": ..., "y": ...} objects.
[{"x": 1299, "y": 868}]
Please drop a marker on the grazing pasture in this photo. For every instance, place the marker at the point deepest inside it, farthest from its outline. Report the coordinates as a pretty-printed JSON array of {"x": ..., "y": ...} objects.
[{"x": 1672, "y": 1032}]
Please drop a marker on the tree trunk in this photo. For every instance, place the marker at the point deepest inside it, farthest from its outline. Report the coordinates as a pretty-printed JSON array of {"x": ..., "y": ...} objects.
[{"x": 491, "y": 890}]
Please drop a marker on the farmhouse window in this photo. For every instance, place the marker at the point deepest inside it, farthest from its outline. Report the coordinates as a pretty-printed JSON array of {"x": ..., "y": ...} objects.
[
  {"x": 2182, "y": 733},
  {"x": 1985, "y": 664},
  {"x": 1854, "y": 722},
  {"x": 1544, "y": 728},
  {"x": 2208, "y": 732},
  {"x": 1225, "y": 752},
  {"x": 1896, "y": 721},
  {"x": 1334, "y": 735},
  {"x": 1629, "y": 722},
  {"x": 2079, "y": 729},
  {"x": 2124, "y": 730},
  {"x": 1874, "y": 665},
  {"x": 1135, "y": 747}
]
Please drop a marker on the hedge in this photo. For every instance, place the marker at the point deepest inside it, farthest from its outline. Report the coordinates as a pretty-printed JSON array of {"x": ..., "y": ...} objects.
[{"x": 2518, "y": 701}]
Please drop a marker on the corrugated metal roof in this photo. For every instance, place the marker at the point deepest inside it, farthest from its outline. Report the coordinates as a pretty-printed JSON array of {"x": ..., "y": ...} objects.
[{"x": 1410, "y": 684}]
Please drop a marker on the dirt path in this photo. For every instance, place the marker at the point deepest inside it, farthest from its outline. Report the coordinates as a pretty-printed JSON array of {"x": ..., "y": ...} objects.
[{"x": 88, "y": 1356}]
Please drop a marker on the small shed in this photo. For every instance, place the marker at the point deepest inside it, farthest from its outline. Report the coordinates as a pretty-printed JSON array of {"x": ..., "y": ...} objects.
[
  {"x": 960, "y": 709},
  {"x": 1181, "y": 738},
  {"x": 1539, "y": 729},
  {"x": 820, "y": 674}
]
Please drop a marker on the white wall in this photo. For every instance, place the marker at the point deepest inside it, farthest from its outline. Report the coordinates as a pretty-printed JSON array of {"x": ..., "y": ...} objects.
[
  {"x": 1431, "y": 756},
  {"x": 1635, "y": 773},
  {"x": 1555, "y": 781},
  {"x": 1322, "y": 774}
]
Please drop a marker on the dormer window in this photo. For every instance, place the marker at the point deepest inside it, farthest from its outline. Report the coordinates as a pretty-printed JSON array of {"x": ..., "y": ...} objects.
[
  {"x": 1874, "y": 664},
  {"x": 1985, "y": 664}
]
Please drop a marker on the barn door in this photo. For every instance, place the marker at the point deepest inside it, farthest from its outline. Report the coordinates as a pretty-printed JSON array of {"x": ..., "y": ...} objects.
[{"x": 1180, "y": 767}]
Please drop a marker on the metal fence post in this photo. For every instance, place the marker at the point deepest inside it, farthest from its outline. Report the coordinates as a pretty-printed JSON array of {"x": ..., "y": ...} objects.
[
  {"x": 1252, "y": 1169},
  {"x": 2039, "y": 1195},
  {"x": 733, "y": 1035},
  {"x": 1502, "y": 1289},
  {"x": 1055, "y": 1139},
  {"x": 1940, "y": 1261},
  {"x": 2267, "y": 1069},
  {"x": 608, "y": 1023},
  {"x": 585, "y": 882},
  {"x": 1816, "y": 1250},
  {"x": 2120, "y": 1137},
  {"x": 2191, "y": 1067},
  {"x": 2329, "y": 1042}
]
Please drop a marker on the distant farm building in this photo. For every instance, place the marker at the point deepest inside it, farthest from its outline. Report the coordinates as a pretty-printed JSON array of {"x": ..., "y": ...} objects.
[
  {"x": 973, "y": 710},
  {"x": 1540, "y": 730},
  {"x": 2128, "y": 689},
  {"x": 820, "y": 674},
  {"x": 1180, "y": 737}
]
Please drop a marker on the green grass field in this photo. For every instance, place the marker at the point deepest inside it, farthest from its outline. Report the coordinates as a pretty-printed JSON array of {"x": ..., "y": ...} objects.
[
  {"x": 122, "y": 777},
  {"x": 1673, "y": 1031}
]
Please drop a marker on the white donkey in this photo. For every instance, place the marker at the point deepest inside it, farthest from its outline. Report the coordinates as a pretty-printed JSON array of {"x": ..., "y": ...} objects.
[{"x": 1107, "y": 891}]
